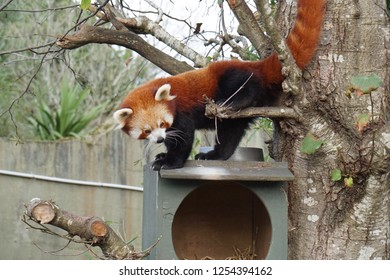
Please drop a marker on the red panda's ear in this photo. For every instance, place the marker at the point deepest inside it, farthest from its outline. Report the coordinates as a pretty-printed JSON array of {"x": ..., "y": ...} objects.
[
  {"x": 121, "y": 115},
  {"x": 164, "y": 93}
]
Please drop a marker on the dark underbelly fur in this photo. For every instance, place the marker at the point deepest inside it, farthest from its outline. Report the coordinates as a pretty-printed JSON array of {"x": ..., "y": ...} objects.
[{"x": 229, "y": 131}]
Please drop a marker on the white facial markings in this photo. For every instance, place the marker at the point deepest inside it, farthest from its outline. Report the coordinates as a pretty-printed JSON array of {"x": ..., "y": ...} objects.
[
  {"x": 157, "y": 134},
  {"x": 150, "y": 123},
  {"x": 135, "y": 133},
  {"x": 168, "y": 118}
]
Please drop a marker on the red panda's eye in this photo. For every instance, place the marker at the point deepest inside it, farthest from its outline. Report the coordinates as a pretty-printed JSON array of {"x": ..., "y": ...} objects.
[
  {"x": 162, "y": 124},
  {"x": 147, "y": 131}
]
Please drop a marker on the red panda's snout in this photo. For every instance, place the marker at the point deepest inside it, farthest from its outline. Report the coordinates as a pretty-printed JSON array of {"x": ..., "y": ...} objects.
[{"x": 157, "y": 135}]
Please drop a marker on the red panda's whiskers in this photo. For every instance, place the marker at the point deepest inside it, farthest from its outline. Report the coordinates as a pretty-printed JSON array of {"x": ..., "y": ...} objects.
[{"x": 176, "y": 134}]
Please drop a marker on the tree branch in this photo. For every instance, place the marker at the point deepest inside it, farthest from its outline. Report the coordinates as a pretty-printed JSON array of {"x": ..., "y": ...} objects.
[
  {"x": 143, "y": 25},
  {"x": 290, "y": 70},
  {"x": 92, "y": 34},
  {"x": 91, "y": 230},
  {"x": 232, "y": 40},
  {"x": 249, "y": 27},
  {"x": 159, "y": 10},
  {"x": 214, "y": 110},
  {"x": 2, "y": 7},
  {"x": 147, "y": 26}
]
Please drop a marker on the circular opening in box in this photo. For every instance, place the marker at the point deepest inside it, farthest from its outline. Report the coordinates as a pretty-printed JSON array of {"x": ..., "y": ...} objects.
[{"x": 221, "y": 220}]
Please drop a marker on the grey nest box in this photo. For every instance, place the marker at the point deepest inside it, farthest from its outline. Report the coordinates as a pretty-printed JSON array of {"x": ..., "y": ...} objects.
[{"x": 216, "y": 210}]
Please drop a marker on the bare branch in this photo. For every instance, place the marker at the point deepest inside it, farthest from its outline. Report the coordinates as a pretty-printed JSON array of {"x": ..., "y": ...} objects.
[
  {"x": 249, "y": 26},
  {"x": 290, "y": 70},
  {"x": 223, "y": 112},
  {"x": 31, "y": 49},
  {"x": 231, "y": 41},
  {"x": 15, "y": 101},
  {"x": 91, "y": 230},
  {"x": 160, "y": 11},
  {"x": 147, "y": 26},
  {"x": 92, "y": 34},
  {"x": 5, "y": 5},
  {"x": 143, "y": 25},
  {"x": 43, "y": 10}
]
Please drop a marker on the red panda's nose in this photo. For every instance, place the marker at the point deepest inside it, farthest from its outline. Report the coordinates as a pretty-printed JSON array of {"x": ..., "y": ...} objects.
[{"x": 160, "y": 139}]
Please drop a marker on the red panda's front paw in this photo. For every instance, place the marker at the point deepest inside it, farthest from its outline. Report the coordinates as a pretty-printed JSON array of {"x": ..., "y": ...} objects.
[
  {"x": 159, "y": 161},
  {"x": 204, "y": 156},
  {"x": 201, "y": 156},
  {"x": 162, "y": 163},
  {"x": 161, "y": 156},
  {"x": 158, "y": 164}
]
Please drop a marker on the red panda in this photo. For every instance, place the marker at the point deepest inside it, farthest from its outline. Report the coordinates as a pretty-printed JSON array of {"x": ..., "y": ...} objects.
[{"x": 168, "y": 110}]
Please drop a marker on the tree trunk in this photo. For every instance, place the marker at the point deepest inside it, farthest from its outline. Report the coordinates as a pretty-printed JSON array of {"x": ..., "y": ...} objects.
[{"x": 329, "y": 220}]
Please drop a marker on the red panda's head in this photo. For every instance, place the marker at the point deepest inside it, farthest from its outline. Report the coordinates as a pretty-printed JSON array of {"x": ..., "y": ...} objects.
[{"x": 146, "y": 116}]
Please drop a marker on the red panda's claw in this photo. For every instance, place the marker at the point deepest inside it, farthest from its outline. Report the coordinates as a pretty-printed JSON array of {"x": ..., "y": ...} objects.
[{"x": 157, "y": 165}]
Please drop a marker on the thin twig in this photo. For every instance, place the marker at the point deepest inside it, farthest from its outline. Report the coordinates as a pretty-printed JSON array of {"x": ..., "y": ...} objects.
[
  {"x": 43, "y": 10},
  {"x": 240, "y": 88},
  {"x": 28, "y": 49},
  {"x": 216, "y": 130},
  {"x": 44, "y": 55},
  {"x": 373, "y": 132},
  {"x": 5, "y": 5},
  {"x": 158, "y": 8}
]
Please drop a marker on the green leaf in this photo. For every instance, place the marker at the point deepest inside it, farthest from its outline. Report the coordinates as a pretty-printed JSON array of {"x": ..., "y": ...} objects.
[
  {"x": 85, "y": 4},
  {"x": 69, "y": 118},
  {"x": 365, "y": 84},
  {"x": 310, "y": 144},
  {"x": 362, "y": 121},
  {"x": 336, "y": 175},
  {"x": 348, "y": 182},
  {"x": 388, "y": 7}
]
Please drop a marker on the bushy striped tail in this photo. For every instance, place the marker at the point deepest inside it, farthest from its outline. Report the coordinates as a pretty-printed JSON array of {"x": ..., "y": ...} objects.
[{"x": 304, "y": 37}]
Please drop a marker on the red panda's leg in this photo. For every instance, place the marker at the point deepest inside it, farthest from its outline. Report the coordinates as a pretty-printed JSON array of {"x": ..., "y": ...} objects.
[
  {"x": 179, "y": 140},
  {"x": 229, "y": 133}
]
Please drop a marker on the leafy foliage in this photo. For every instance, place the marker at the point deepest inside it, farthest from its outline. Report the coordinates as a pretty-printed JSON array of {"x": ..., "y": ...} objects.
[
  {"x": 348, "y": 182},
  {"x": 262, "y": 124},
  {"x": 310, "y": 144},
  {"x": 360, "y": 85},
  {"x": 85, "y": 4},
  {"x": 364, "y": 84},
  {"x": 336, "y": 175},
  {"x": 362, "y": 121},
  {"x": 69, "y": 119},
  {"x": 388, "y": 7}
]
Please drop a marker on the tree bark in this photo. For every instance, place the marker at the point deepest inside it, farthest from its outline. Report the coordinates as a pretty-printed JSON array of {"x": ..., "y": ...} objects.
[
  {"x": 91, "y": 34},
  {"x": 329, "y": 220}
]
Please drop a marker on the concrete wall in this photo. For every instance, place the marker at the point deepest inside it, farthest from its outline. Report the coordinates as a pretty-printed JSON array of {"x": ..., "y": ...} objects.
[{"x": 58, "y": 171}]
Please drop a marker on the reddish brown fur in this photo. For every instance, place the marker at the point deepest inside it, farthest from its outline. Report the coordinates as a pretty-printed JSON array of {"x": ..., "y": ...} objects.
[
  {"x": 304, "y": 37},
  {"x": 190, "y": 87}
]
